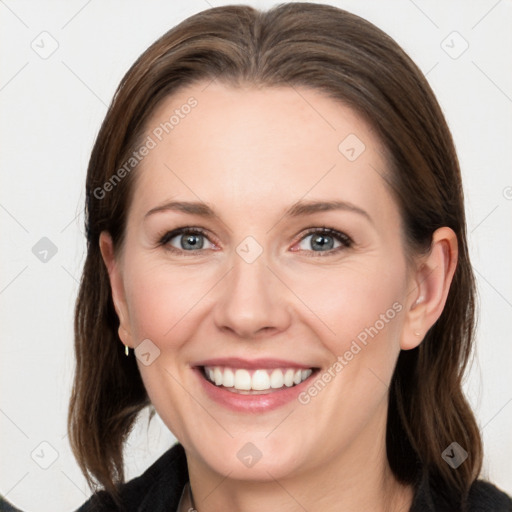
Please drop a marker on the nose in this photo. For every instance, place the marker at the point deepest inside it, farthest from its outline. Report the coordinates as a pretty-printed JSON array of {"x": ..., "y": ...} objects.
[{"x": 252, "y": 302}]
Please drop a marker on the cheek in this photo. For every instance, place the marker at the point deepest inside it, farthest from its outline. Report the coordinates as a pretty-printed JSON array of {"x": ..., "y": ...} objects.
[
  {"x": 358, "y": 300},
  {"x": 162, "y": 301},
  {"x": 359, "y": 314},
  {"x": 160, "y": 297}
]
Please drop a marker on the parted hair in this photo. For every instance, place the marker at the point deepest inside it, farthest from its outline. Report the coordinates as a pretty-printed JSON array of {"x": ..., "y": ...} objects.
[{"x": 354, "y": 62}]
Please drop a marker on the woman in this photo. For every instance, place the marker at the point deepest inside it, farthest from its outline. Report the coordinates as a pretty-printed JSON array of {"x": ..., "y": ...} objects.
[{"x": 277, "y": 263}]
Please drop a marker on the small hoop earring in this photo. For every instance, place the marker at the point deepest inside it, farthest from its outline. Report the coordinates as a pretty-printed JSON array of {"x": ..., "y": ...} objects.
[{"x": 126, "y": 350}]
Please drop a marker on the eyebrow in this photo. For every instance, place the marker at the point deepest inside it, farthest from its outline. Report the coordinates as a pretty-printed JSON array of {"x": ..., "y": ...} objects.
[{"x": 300, "y": 208}]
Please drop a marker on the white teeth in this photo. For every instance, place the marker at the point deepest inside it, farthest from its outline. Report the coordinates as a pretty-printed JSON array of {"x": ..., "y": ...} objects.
[
  {"x": 260, "y": 380},
  {"x": 217, "y": 376},
  {"x": 257, "y": 380},
  {"x": 228, "y": 378},
  {"x": 242, "y": 380},
  {"x": 276, "y": 379},
  {"x": 288, "y": 378}
]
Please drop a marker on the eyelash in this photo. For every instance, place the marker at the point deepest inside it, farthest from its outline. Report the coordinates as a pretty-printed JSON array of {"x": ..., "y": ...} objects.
[{"x": 344, "y": 239}]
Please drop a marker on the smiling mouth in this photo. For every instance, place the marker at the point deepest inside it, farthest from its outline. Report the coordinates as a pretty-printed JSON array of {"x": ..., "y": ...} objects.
[{"x": 255, "y": 381}]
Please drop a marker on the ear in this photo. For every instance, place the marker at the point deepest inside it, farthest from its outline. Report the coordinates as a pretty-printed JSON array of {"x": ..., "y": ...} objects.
[
  {"x": 430, "y": 286},
  {"x": 117, "y": 287}
]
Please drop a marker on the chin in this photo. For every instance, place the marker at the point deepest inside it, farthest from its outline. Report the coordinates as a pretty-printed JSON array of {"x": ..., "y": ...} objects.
[{"x": 252, "y": 456}]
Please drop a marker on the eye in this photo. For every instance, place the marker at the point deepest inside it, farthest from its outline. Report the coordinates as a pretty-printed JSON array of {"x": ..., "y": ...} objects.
[
  {"x": 325, "y": 240},
  {"x": 317, "y": 240},
  {"x": 185, "y": 240}
]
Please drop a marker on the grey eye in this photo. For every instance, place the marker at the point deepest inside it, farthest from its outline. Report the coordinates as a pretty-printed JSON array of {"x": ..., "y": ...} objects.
[
  {"x": 188, "y": 241},
  {"x": 319, "y": 242}
]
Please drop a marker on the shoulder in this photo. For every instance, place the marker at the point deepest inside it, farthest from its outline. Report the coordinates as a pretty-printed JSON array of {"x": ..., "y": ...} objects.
[
  {"x": 5, "y": 506},
  {"x": 159, "y": 488},
  {"x": 485, "y": 496},
  {"x": 482, "y": 497}
]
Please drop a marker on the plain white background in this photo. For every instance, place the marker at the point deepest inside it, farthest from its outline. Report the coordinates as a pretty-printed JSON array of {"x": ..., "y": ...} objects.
[{"x": 51, "y": 109}]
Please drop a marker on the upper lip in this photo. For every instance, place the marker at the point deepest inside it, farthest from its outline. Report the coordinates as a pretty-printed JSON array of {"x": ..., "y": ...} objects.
[{"x": 237, "y": 362}]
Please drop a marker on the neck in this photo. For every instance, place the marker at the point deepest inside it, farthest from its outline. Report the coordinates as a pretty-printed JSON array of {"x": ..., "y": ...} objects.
[{"x": 359, "y": 478}]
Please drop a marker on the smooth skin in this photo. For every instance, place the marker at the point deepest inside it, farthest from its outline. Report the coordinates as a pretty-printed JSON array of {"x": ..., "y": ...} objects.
[{"x": 250, "y": 154}]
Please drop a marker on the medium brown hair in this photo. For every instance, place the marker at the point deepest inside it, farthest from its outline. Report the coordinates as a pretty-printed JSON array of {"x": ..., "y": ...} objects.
[{"x": 352, "y": 61}]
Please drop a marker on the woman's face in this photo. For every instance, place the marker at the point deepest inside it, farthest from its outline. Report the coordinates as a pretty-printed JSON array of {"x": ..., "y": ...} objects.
[{"x": 251, "y": 287}]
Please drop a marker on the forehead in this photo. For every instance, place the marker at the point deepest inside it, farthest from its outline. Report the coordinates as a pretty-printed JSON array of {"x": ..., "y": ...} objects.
[{"x": 241, "y": 145}]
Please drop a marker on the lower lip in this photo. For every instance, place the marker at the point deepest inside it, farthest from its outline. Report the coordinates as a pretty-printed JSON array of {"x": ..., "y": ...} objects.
[{"x": 252, "y": 403}]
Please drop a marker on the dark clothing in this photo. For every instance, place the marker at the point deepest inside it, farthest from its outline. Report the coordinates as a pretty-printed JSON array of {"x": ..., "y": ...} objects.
[
  {"x": 159, "y": 489},
  {"x": 5, "y": 506}
]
